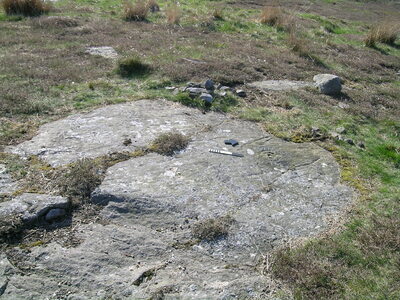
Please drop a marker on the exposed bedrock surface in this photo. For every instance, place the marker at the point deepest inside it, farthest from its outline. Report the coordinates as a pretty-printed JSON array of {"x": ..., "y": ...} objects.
[{"x": 278, "y": 190}]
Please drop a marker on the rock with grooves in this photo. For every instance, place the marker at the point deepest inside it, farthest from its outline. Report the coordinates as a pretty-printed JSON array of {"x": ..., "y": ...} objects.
[
  {"x": 328, "y": 84},
  {"x": 280, "y": 85},
  {"x": 278, "y": 190},
  {"x": 31, "y": 206}
]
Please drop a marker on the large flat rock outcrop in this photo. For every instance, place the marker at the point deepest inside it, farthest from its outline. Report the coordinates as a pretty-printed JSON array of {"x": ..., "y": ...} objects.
[
  {"x": 154, "y": 204},
  {"x": 104, "y": 130}
]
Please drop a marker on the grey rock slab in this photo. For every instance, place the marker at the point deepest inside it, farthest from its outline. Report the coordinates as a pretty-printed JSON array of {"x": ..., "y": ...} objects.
[
  {"x": 104, "y": 130},
  {"x": 31, "y": 206},
  {"x": 328, "y": 84},
  {"x": 7, "y": 184},
  {"x": 280, "y": 85},
  {"x": 106, "y": 52},
  {"x": 278, "y": 190}
]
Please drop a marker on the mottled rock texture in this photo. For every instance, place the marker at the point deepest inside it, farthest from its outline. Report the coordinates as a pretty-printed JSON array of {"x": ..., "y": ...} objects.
[{"x": 278, "y": 190}]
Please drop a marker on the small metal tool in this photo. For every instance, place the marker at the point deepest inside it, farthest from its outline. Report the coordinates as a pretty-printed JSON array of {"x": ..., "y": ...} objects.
[{"x": 225, "y": 152}]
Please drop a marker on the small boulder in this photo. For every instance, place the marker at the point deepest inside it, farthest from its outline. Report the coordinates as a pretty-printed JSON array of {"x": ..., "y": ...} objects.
[
  {"x": 54, "y": 214},
  {"x": 206, "y": 97},
  {"x": 328, "y": 84},
  {"x": 341, "y": 130},
  {"x": 209, "y": 85}
]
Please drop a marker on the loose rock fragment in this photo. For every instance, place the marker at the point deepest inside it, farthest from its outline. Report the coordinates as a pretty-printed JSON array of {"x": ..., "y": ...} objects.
[{"x": 328, "y": 84}]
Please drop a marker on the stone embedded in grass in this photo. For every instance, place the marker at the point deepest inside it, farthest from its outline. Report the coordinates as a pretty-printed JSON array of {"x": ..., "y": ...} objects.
[
  {"x": 206, "y": 97},
  {"x": 106, "y": 52},
  {"x": 328, "y": 84},
  {"x": 209, "y": 84},
  {"x": 241, "y": 93},
  {"x": 195, "y": 91}
]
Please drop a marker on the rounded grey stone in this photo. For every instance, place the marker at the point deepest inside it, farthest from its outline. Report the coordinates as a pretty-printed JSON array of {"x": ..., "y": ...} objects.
[{"x": 328, "y": 84}]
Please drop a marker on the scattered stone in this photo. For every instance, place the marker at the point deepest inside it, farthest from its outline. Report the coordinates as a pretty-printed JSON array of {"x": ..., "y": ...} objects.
[
  {"x": 170, "y": 88},
  {"x": 31, "y": 207},
  {"x": 316, "y": 132},
  {"x": 195, "y": 91},
  {"x": 106, "y": 52},
  {"x": 280, "y": 85},
  {"x": 55, "y": 213},
  {"x": 222, "y": 94},
  {"x": 349, "y": 141},
  {"x": 176, "y": 91},
  {"x": 328, "y": 84},
  {"x": 335, "y": 135},
  {"x": 341, "y": 130},
  {"x": 361, "y": 145},
  {"x": 206, "y": 97},
  {"x": 154, "y": 7},
  {"x": 343, "y": 105},
  {"x": 209, "y": 85},
  {"x": 225, "y": 88},
  {"x": 194, "y": 85},
  {"x": 241, "y": 93}
]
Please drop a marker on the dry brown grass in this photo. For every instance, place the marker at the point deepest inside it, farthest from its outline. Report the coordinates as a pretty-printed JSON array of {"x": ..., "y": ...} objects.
[
  {"x": 169, "y": 143},
  {"x": 218, "y": 13},
  {"x": 298, "y": 45},
  {"x": 386, "y": 33},
  {"x": 137, "y": 11},
  {"x": 271, "y": 15},
  {"x": 173, "y": 14},
  {"x": 28, "y": 8},
  {"x": 212, "y": 229}
]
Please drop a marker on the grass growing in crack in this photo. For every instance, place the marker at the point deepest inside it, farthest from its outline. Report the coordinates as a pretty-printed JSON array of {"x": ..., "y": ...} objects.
[
  {"x": 27, "y": 8},
  {"x": 212, "y": 229},
  {"x": 169, "y": 143},
  {"x": 81, "y": 179}
]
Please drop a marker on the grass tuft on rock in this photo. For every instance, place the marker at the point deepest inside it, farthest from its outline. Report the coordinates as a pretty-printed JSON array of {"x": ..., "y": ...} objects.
[
  {"x": 169, "y": 143},
  {"x": 81, "y": 179},
  {"x": 27, "y": 8},
  {"x": 212, "y": 229}
]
